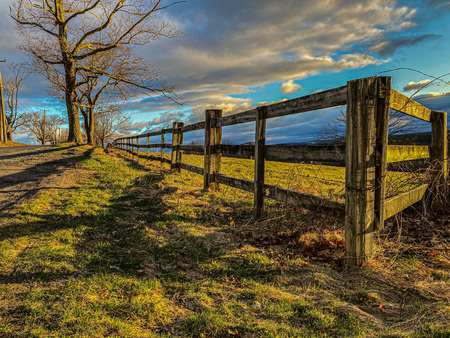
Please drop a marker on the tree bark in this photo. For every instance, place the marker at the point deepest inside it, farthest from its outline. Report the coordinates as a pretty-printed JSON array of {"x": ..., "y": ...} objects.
[{"x": 73, "y": 114}]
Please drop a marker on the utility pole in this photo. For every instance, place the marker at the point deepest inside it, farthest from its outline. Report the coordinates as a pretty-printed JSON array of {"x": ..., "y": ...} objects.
[
  {"x": 2, "y": 112},
  {"x": 44, "y": 127}
]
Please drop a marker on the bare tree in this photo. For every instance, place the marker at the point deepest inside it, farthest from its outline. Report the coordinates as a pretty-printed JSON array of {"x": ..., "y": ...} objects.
[
  {"x": 55, "y": 133},
  {"x": 35, "y": 123},
  {"x": 334, "y": 131},
  {"x": 12, "y": 87},
  {"x": 61, "y": 34},
  {"x": 109, "y": 123},
  {"x": 117, "y": 76}
]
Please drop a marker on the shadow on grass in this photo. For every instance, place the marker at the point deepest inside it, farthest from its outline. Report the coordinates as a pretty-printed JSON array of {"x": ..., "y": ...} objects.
[
  {"x": 136, "y": 237},
  {"x": 36, "y": 174}
]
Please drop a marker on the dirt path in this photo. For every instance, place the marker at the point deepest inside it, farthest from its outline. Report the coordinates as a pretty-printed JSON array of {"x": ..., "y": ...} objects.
[{"x": 24, "y": 171}]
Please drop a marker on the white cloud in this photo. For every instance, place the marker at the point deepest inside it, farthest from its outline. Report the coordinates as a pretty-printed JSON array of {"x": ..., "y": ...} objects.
[
  {"x": 290, "y": 87},
  {"x": 416, "y": 85}
]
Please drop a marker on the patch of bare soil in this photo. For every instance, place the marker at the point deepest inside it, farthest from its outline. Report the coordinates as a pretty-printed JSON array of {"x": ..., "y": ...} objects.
[{"x": 25, "y": 171}]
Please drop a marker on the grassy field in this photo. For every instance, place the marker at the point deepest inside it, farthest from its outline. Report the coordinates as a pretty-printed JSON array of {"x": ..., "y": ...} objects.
[
  {"x": 12, "y": 144},
  {"x": 316, "y": 179},
  {"x": 132, "y": 251}
]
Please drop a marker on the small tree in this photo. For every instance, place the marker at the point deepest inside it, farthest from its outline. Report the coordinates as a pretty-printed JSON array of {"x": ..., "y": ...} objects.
[
  {"x": 12, "y": 87},
  {"x": 55, "y": 134},
  {"x": 35, "y": 123},
  {"x": 109, "y": 123}
]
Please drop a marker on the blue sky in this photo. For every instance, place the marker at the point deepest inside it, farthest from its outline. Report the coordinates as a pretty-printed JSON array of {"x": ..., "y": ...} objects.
[{"x": 236, "y": 54}]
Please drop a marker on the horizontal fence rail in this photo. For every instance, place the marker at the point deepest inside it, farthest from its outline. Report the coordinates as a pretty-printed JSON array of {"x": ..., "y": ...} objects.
[{"x": 365, "y": 155}]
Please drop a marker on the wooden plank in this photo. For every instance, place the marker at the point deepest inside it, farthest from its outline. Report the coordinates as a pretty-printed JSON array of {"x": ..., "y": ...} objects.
[
  {"x": 439, "y": 159},
  {"x": 404, "y": 200},
  {"x": 234, "y": 182},
  {"x": 303, "y": 200},
  {"x": 155, "y": 145},
  {"x": 177, "y": 140},
  {"x": 326, "y": 99},
  {"x": 193, "y": 148},
  {"x": 194, "y": 126},
  {"x": 306, "y": 153},
  {"x": 192, "y": 168},
  {"x": 406, "y": 153},
  {"x": 291, "y": 197},
  {"x": 360, "y": 170},
  {"x": 260, "y": 145},
  {"x": 237, "y": 151},
  {"x": 330, "y": 154},
  {"x": 381, "y": 135},
  {"x": 408, "y": 106}
]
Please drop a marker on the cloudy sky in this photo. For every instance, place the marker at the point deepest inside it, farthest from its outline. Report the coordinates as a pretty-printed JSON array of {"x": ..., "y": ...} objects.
[{"x": 236, "y": 54}]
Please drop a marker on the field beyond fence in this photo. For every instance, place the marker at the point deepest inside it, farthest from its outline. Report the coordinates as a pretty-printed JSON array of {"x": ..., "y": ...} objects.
[{"x": 370, "y": 195}]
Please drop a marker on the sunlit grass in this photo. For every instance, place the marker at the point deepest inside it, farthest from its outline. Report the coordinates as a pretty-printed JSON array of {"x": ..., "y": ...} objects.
[{"x": 133, "y": 251}]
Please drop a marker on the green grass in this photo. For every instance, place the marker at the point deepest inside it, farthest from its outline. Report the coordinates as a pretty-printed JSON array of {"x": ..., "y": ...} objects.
[{"x": 133, "y": 251}]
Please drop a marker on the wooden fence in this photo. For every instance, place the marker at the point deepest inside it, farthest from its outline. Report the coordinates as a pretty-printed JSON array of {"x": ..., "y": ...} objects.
[{"x": 365, "y": 155}]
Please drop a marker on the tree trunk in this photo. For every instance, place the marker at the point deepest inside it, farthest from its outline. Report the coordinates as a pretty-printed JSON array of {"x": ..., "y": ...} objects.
[
  {"x": 9, "y": 136},
  {"x": 88, "y": 116},
  {"x": 73, "y": 113}
]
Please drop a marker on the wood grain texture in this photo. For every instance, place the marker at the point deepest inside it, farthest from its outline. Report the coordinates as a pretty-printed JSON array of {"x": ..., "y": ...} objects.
[
  {"x": 192, "y": 168},
  {"x": 326, "y": 99},
  {"x": 260, "y": 150},
  {"x": 360, "y": 169},
  {"x": 234, "y": 182},
  {"x": 212, "y": 159},
  {"x": 408, "y": 106},
  {"x": 399, "y": 153},
  {"x": 439, "y": 155},
  {"x": 381, "y": 152},
  {"x": 177, "y": 140},
  {"x": 194, "y": 126},
  {"x": 291, "y": 197},
  {"x": 404, "y": 200},
  {"x": 303, "y": 200}
]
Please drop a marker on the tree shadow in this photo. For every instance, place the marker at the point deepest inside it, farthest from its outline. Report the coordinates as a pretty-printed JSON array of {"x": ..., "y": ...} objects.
[{"x": 35, "y": 174}]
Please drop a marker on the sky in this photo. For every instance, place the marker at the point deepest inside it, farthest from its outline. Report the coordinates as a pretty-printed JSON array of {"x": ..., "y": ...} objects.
[{"x": 235, "y": 55}]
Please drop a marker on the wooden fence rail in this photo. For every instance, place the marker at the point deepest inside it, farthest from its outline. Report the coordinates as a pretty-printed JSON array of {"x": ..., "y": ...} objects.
[{"x": 365, "y": 155}]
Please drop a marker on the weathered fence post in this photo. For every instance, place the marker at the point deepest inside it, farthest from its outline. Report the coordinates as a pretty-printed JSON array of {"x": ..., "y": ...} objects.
[
  {"x": 163, "y": 140},
  {"x": 137, "y": 148},
  {"x": 439, "y": 158},
  {"x": 360, "y": 169},
  {"x": 177, "y": 140},
  {"x": 382, "y": 135},
  {"x": 213, "y": 138},
  {"x": 148, "y": 147},
  {"x": 260, "y": 145}
]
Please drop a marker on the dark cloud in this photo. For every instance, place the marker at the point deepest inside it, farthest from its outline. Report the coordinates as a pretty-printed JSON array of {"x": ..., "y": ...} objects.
[{"x": 388, "y": 47}]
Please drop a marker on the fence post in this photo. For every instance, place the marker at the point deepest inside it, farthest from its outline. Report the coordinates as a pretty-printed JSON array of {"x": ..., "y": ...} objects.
[
  {"x": 163, "y": 140},
  {"x": 148, "y": 147},
  {"x": 212, "y": 157},
  {"x": 439, "y": 158},
  {"x": 260, "y": 145},
  {"x": 177, "y": 140},
  {"x": 137, "y": 148},
  {"x": 360, "y": 169},
  {"x": 382, "y": 136}
]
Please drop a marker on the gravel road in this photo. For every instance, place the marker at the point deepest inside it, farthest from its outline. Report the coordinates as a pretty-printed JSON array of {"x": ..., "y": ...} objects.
[{"x": 24, "y": 171}]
